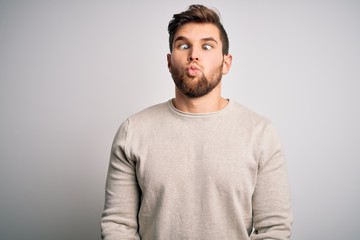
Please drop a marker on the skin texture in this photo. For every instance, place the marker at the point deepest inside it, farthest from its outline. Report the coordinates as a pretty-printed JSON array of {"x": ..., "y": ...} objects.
[{"x": 197, "y": 65}]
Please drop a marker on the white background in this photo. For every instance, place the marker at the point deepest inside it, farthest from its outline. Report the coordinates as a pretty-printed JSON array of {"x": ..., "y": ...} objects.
[{"x": 72, "y": 71}]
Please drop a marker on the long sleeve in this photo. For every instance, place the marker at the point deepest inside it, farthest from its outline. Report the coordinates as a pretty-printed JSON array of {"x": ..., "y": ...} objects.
[
  {"x": 119, "y": 218},
  {"x": 271, "y": 200},
  {"x": 197, "y": 176}
]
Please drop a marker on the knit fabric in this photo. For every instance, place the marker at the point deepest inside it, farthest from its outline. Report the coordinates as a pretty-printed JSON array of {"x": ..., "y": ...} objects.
[{"x": 181, "y": 176}]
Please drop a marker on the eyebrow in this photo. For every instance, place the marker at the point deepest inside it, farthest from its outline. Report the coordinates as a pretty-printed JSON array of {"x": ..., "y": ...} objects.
[{"x": 182, "y": 38}]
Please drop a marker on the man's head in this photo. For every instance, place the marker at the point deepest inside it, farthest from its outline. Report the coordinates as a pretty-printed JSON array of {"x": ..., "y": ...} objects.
[
  {"x": 198, "y": 14},
  {"x": 199, "y": 52}
]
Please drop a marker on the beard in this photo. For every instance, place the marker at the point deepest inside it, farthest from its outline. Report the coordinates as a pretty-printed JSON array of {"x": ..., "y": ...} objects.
[{"x": 196, "y": 86}]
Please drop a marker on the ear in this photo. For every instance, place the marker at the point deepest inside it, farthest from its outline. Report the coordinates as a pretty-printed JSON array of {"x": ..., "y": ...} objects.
[
  {"x": 168, "y": 56},
  {"x": 227, "y": 63}
]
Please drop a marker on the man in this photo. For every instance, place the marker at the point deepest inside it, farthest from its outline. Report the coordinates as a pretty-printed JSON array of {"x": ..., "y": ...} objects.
[{"x": 198, "y": 166}]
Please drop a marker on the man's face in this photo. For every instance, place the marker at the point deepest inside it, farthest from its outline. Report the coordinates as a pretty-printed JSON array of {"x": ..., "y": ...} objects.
[{"x": 197, "y": 62}]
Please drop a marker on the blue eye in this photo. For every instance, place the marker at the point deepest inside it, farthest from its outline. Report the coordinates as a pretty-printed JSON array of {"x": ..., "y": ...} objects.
[{"x": 184, "y": 46}]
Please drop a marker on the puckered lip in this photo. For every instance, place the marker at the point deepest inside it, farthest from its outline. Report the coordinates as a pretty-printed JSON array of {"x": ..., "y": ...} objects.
[
  {"x": 193, "y": 70},
  {"x": 193, "y": 67}
]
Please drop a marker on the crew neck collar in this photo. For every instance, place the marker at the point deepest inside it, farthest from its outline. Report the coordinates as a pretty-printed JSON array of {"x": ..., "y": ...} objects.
[{"x": 189, "y": 114}]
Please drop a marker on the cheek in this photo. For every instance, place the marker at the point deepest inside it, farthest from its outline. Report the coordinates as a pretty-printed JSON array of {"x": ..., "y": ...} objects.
[
  {"x": 176, "y": 61},
  {"x": 214, "y": 63}
]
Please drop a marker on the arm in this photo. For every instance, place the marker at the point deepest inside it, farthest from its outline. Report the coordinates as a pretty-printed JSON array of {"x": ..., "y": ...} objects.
[
  {"x": 271, "y": 200},
  {"x": 119, "y": 218}
]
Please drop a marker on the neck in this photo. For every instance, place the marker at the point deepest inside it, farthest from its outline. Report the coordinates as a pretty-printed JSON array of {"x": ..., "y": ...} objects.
[{"x": 211, "y": 102}]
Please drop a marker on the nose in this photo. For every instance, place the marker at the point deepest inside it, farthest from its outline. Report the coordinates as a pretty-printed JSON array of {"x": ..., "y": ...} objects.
[{"x": 193, "y": 55}]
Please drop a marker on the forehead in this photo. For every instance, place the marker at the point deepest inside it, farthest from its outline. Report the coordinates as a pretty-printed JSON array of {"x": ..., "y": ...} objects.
[{"x": 198, "y": 31}]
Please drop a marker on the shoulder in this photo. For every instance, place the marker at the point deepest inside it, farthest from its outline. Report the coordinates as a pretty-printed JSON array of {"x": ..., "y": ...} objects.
[
  {"x": 151, "y": 113},
  {"x": 260, "y": 128},
  {"x": 149, "y": 118},
  {"x": 143, "y": 121},
  {"x": 256, "y": 126},
  {"x": 247, "y": 115}
]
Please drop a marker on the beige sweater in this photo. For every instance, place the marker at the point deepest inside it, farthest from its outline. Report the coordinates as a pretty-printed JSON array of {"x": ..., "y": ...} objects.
[{"x": 214, "y": 176}]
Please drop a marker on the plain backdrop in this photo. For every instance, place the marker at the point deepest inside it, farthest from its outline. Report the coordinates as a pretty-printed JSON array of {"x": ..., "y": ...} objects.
[{"x": 72, "y": 71}]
